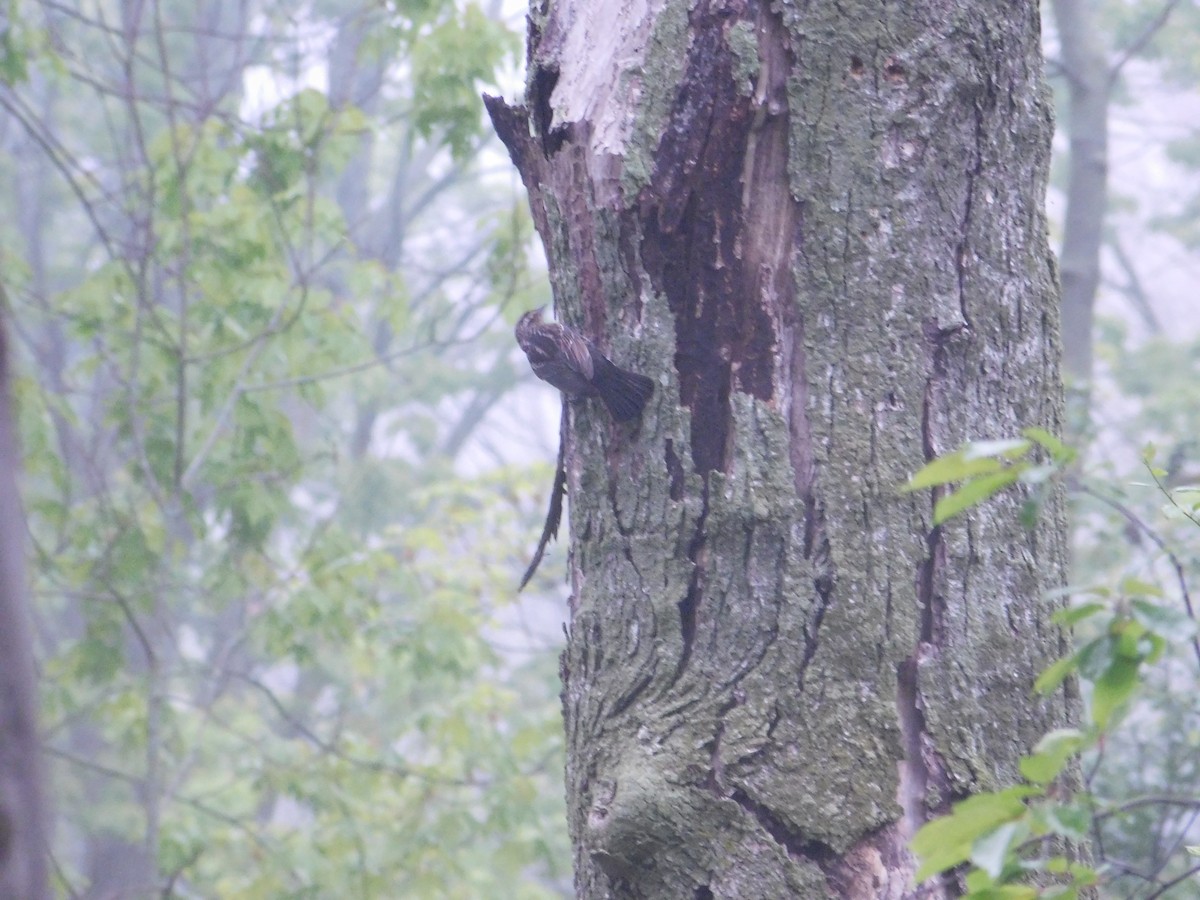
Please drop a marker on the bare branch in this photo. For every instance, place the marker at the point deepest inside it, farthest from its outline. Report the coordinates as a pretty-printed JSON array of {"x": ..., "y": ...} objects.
[{"x": 1135, "y": 46}]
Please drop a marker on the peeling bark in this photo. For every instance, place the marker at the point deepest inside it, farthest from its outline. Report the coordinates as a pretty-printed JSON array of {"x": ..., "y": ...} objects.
[{"x": 821, "y": 231}]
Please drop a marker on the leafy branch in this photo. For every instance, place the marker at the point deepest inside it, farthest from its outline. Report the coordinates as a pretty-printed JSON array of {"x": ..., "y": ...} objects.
[{"x": 1013, "y": 842}]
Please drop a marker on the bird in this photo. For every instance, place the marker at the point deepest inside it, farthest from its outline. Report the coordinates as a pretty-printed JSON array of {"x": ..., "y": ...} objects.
[{"x": 560, "y": 355}]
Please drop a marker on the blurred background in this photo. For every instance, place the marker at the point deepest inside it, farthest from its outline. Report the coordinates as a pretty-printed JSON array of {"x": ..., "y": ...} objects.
[{"x": 285, "y": 465}]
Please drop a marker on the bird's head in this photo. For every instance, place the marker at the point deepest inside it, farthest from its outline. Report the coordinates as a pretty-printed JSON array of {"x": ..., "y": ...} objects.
[
  {"x": 528, "y": 323},
  {"x": 533, "y": 317}
]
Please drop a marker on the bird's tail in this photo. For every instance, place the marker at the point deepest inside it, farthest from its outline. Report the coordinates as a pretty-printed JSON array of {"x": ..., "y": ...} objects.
[{"x": 625, "y": 393}]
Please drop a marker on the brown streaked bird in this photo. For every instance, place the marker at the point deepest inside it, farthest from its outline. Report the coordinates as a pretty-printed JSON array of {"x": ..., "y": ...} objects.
[{"x": 560, "y": 355}]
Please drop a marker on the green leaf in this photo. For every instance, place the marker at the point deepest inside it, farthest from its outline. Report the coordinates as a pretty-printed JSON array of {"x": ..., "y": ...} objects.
[
  {"x": 1071, "y": 820},
  {"x": 946, "y": 469},
  {"x": 1096, "y": 656},
  {"x": 1004, "y": 892},
  {"x": 1172, "y": 624},
  {"x": 945, "y": 854},
  {"x": 1073, "y": 615},
  {"x": 1051, "y": 754},
  {"x": 946, "y": 841},
  {"x": 1085, "y": 876},
  {"x": 978, "y": 880},
  {"x": 1096, "y": 590},
  {"x": 993, "y": 852},
  {"x": 1135, "y": 587},
  {"x": 1128, "y": 639},
  {"x": 1058, "y": 450},
  {"x": 1056, "y": 673},
  {"x": 973, "y": 493},
  {"x": 98, "y": 657},
  {"x": 1112, "y": 689},
  {"x": 14, "y": 56}
]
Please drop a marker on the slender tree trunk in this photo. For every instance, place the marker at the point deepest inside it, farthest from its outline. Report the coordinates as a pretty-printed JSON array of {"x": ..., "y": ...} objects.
[
  {"x": 1088, "y": 81},
  {"x": 820, "y": 230},
  {"x": 22, "y": 816}
]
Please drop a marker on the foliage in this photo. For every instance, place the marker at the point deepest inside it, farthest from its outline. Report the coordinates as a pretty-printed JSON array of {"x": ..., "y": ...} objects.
[
  {"x": 1014, "y": 840},
  {"x": 250, "y": 394},
  {"x": 987, "y": 467}
]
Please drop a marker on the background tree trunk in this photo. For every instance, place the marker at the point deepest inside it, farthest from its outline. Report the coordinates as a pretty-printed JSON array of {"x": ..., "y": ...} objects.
[
  {"x": 22, "y": 817},
  {"x": 821, "y": 232},
  {"x": 1088, "y": 82}
]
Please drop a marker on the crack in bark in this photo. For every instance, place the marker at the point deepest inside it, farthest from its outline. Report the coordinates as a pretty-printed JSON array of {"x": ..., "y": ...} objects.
[
  {"x": 716, "y": 768},
  {"x": 960, "y": 251},
  {"x": 633, "y": 693},
  {"x": 674, "y": 470},
  {"x": 615, "y": 508},
  {"x": 921, "y": 765},
  {"x": 914, "y": 779},
  {"x": 930, "y": 602},
  {"x": 794, "y": 843},
  {"x": 691, "y": 600},
  {"x": 824, "y": 587},
  {"x": 932, "y": 605},
  {"x": 800, "y": 429}
]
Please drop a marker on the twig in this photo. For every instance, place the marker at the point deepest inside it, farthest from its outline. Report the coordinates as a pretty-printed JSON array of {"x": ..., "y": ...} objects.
[
  {"x": 1133, "y": 289},
  {"x": 1151, "y": 29},
  {"x": 1135, "y": 520},
  {"x": 1149, "y": 800},
  {"x": 1194, "y": 870}
]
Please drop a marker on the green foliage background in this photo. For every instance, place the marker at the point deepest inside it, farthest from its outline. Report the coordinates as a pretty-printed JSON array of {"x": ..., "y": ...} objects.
[{"x": 261, "y": 274}]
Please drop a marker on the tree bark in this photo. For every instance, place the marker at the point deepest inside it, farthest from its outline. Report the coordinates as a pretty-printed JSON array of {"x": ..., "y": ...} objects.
[
  {"x": 820, "y": 230},
  {"x": 22, "y": 816}
]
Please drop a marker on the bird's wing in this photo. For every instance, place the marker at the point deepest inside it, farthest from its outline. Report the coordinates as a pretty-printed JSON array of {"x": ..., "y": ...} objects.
[{"x": 578, "y": 352}]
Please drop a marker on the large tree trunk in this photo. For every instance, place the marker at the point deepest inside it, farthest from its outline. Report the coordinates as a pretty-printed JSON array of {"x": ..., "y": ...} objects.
[{"x": 820, "y": 230}]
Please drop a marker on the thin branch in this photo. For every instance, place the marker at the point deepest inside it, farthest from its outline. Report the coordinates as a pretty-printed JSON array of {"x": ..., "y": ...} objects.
[
  {"x": 1133, "y": 288},
  {"x": 430, "y": 343},
  {"x": 226, "y": 411},
  {"x": 1088, "y": 778},
  {"x": 61, "y": 874},
  {"x": 117, "y": 775},
  {"x": 331, "y": 749},
  {"x": 1135, "y": 520},
  {"x": 1174, "y": 848},
  {"x": 1149, "y": 800},
  {"x": 1135, "y": 46},
  {"x": 1194, "y": 870},
  {"x": 58, "y": 155}
]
